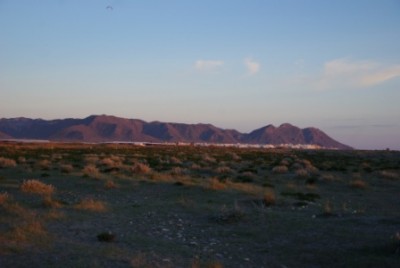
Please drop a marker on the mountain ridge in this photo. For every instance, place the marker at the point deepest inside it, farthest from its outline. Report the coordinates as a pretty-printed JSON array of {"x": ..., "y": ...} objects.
[{"x": 106, "y": 128}]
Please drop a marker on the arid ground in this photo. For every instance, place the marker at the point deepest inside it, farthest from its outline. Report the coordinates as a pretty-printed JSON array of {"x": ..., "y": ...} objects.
[{"x": 83, "y": 205}]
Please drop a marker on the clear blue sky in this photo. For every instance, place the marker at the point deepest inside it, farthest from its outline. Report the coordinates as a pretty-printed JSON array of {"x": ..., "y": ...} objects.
[{"x": 236, "y": 64}]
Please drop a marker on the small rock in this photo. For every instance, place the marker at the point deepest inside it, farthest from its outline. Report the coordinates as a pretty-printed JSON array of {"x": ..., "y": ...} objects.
[
  {"x": 106, "y": 237},
  {"x": 218, "y": 255}
]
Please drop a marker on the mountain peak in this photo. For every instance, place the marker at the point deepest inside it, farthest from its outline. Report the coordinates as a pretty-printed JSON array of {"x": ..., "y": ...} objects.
[{"x": 286, "y": 125}]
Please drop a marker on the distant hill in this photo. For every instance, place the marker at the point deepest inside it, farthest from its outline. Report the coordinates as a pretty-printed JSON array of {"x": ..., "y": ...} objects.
[
  {"x": 289, "y": 134},
  {"x": 104, "y": 128}
]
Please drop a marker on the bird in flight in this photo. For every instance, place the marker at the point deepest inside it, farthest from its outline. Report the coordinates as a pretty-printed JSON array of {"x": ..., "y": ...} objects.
[{"x": 110, "y": 8}]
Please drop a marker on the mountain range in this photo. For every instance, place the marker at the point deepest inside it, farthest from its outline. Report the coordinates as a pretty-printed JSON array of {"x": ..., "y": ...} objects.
[{"x": 104, "y": 128}]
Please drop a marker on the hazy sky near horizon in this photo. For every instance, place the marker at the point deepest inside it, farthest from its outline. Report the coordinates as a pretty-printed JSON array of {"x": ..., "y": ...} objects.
[{"x": 237, "y": 64}]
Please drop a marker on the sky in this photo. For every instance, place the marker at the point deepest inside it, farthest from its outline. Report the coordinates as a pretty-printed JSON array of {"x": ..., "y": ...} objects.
[{"x": 334, "y": 65}]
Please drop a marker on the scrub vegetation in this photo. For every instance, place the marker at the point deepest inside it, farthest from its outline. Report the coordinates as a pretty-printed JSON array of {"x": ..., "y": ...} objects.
[{"x": 121, "y": 205}]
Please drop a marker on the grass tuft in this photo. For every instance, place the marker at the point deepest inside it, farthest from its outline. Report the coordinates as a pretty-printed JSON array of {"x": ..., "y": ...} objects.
[
  {"x": 396, "y": 242},
  {"x": 6, "y": 162},
  {"x": 109, "y": 184},
  {"x": 66, "y": 168},
  {"x": 224, "y": 170},
  {"x": 4, "y": 197},
  {"x": 44, "y": 164},
  {"x": 358, "y": 184},
  {"x": 388, "y": 175},
  {"x": 91, "y": 205},
  {"x": 281, "y": 169},
  {"x": 27, "y": 231},
  {"x": 49, "y": 202},
  {"x": 215, "y": 184},
  {"x": 302, "y": 173},
  {"x": 37, "y": 187},
  {"x": 229, "y": 216},
  {"x": 327, "y": 209},
  {"x": 91, "y": 170},
  {"x": 269, "y": 197},
  {"x": 206, "y": 264},
  {"x": 140, "y": 168},
  {"x": 139, "y": 260}
]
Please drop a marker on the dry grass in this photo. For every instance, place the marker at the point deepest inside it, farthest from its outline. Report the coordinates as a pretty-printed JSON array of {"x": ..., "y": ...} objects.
[
  {"x": 139, "y": 260},
  {"x": 269, "y": 197},
  {"x": 15, "y": 209},
  {"x": 246, "y": 176},
  {"x": 388, "y": 175},
  {"x": 21, "y": 160},
  {"x": 297, "y": 166},
  {"x": 224, "y": 170},
  {"x": 109, "y": 184},
  {"x": 24, "y": 228},
  {"x": 167, "y": 207},
  {"x": 396, "y": 243},
  {"x": 233, "y": 156},
  {"x": 4, "y": 197},
  {"x": 7, "y": 162},
  {"x": 302, "y": 173},
  {"x": 54, "y": 214},
  {"x": 174, "y": 160},
  {"x": 44, "y": 164},
  {"x": 358, "y": 184},
  {"x": 91, "y": 205},
  {"x": 91, "y": 159},
  {"x": 247, "y": 188},
  {"x": 281, "y": 169},
  {"x": 209, "y": 264},
  {"x": 306, "y": 165},
  {"x": 49, "y": 202},
  {"x": 66, "y": 168},
  {"x": 140, "y": 168},
  {"x": 108, "y": 162},
  {"x": 195, "y": 166},
  {"x": 305, "y": 162},
  {"x": 215, "y": 184},
  {"x": 230, "y": 215},
  {"x": 177, "y": 171},
  {"x": 327, "y": 208},
  {"x": 112, "y": 162},
  {"x": 156, "y": 176},
  {"x": 311, "y": 187},
  {"x": 36, "y": 187},
  {"x": 207, "y": 158},
  {"x": 185, "y": 201},
  {"x": 285, "y": 162},
  {"x": 56, "y": 157},
  {"x": 311, "y": 169},
  {"x": 327, "y": 177},
  {"x": 28, "y": 230},
  {"x": 91, "y": 171},
  {"x": 168, "y": 178}
]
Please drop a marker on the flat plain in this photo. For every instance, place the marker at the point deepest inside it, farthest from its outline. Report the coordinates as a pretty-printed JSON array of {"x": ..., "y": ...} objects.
[{"x": 121, "y": 205}]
